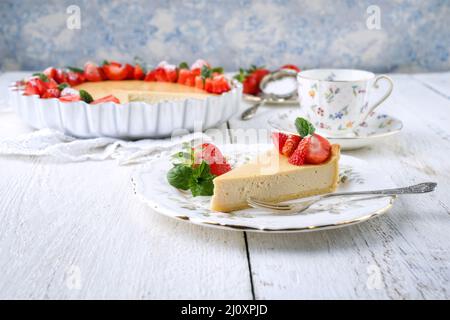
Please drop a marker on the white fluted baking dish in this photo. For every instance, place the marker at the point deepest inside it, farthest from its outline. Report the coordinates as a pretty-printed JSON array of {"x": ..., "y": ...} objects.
[{"x": 133, "y": 120}]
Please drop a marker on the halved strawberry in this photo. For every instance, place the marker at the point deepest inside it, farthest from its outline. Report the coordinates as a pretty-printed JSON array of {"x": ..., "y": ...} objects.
[
  {"x": 109, "y": 98},
  {"x": 70, "y": 98},
  {"x": 51, "y": 73},
  {"x": 291, "y": 144},
  {"x": 150, "y": 76},
  {"x": 211, "y": 155},
  {"x": 51, "y": 93},
  {"x": 31, "y": 90},
  {"x": 209, "y": 84},
  {"x": 190, "y": 81},
  {"x": 116, "y": 71},
  {"x": 130, "y": 71},
  {"x": 279, "y": 139},
  {"x": 138, "y": 72},
  {"x": 219, "y": 85},
  {"x": 199, "y": 83},
  {"x": 75, "y": 78},
  {"x": 319, "y": 149},
  {"x": 35, "y": 86},
  {"x": 298, "y": 157},
  {"x": 160, "y": 75},
  {"x": 61, "y": 76},
  {"x": 183, "y": 75},
  {"x": 92, "y": 72}
]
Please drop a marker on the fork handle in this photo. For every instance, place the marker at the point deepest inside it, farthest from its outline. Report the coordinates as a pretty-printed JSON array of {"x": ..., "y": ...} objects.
[{"x": 418, "y": 188}]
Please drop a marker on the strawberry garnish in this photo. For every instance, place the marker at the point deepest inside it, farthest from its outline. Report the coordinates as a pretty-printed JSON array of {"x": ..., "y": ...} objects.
[
  {"x": 219, "y": 85},
  {"x": 61, "y": 76},
  {"x": 184, "y": 75},
  {"x": 291, "y": 144},
  {"x": 312, "y": 149},
  {"x": 109, "y": 98},
  {"x": 251, "y": 78},
  {"x": 70, "y": 98},
  {"x": 291, "y": 67},
  {"x": 116, "y": 71},
  {"x": 92, "y": 72},
  {"x": 51, "y": 93},
  {"x": 139, "y": 73},
  {"x": 211, "y": 155},
  {"x": 279, "y": 139},
  {"x": 319, "y": 149},
  {"x": 75, "y": 78},
  {"x": 35, "y": 86},
  {"x": 299, "y": 155},
  {"x": 51, "y": 73},
  {"x": 199, "y": 83}
]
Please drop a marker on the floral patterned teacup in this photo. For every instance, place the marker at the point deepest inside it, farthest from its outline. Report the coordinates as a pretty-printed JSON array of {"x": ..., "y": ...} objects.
[{"x": 336, "y": 101}]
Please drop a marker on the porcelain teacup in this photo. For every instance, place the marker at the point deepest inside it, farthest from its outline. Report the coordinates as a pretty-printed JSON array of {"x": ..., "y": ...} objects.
[{"x": 336, "y": 101}]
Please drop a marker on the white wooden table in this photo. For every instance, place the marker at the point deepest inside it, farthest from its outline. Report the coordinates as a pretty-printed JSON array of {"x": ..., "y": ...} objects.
[{"x": 76, "y": 230}]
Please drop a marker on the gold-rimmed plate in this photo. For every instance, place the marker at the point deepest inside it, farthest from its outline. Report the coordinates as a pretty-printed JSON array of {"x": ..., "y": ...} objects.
[{"x": 151, "y": 187}]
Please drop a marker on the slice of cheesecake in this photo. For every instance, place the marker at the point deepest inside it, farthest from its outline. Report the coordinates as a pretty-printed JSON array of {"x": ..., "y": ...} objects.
[{"x": 272, "y": 178}]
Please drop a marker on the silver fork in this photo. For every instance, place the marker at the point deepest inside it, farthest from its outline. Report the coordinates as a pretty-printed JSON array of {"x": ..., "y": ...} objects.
[{"x": 305, "y": 203}]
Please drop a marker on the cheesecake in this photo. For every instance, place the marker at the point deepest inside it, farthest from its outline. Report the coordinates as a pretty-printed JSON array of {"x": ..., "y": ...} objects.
[
  {"x": 139, "y": 90},
  {"x": 271, "y": 177},
  {"x": 122, "y": 83}
]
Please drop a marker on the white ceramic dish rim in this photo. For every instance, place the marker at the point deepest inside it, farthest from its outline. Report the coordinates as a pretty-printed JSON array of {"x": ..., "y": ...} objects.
[{"x": 142, "y": 120}]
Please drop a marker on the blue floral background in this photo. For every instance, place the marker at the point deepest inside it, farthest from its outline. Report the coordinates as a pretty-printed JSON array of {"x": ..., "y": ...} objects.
[{"x": 414, "y": 35}]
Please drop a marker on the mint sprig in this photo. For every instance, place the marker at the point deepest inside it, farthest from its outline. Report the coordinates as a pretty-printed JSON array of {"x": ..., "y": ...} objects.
[
  {"x": 85, "y": 96},
  {"x": 304, "y": 127},
  {"x": 186, "y": 175}
]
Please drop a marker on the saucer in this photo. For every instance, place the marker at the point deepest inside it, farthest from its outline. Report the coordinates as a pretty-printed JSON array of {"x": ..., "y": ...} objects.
[{"x": 377, "y": 127}]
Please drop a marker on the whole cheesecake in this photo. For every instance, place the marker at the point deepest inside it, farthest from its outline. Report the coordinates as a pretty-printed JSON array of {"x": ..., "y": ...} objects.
[
  {"x": 270, "y": 177},
  {"x": 138, "y": 90}
]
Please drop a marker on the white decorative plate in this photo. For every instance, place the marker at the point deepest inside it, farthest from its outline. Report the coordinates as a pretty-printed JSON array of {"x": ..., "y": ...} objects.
[
  {"x": 133, "y": 120},
  {"x": 151, "y": 186},
  {"x": 379, "y": 126}
]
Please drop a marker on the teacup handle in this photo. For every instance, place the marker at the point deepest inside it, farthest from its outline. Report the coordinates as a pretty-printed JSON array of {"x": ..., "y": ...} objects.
[{"x": 383, "y": 98}]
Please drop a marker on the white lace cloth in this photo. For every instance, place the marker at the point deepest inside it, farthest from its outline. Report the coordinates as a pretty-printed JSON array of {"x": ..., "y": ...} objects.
[{"x": 48, "y": 142}]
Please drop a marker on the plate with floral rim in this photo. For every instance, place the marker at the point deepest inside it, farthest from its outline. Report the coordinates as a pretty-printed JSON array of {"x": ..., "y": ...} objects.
[
  {"x": 151, "y": 186},
  {"x": 376, "y": 128}
]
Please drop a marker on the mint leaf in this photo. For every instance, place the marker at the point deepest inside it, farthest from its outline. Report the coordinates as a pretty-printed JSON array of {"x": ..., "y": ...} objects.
[
  {"x": 180, "y": 176},
  {"x": 202, "y": 181},
  {"x": 206, "y": 72},
  {"x": 41, "y": 76},
  {"x": 183, "y": 65},
  {"x": 85, "y": 96},
  {"x": 62, "y": 86},
  {"x": 217, "y": 69},
  {"x": 202, "y": 188},
  {"x": 304, "y": 127},
  {"x": 105, "y": 62},
  {"x": 75, "y": 69}
]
